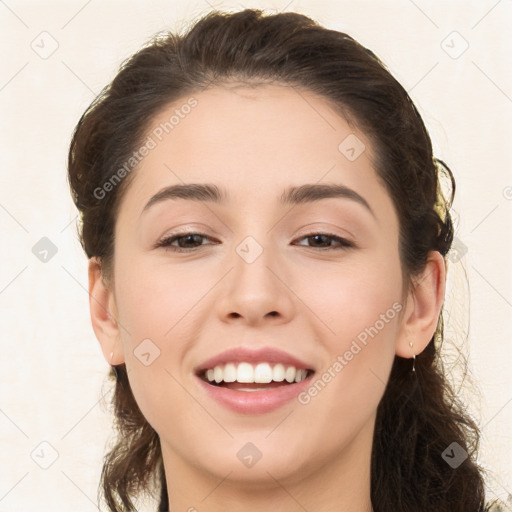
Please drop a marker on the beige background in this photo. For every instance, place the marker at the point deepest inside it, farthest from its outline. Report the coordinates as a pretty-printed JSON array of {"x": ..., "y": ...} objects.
[{"x": 51, "y": 368}]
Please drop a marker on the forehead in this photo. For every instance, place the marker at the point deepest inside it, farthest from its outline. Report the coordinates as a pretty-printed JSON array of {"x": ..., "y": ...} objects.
[{"x": 253, "y": 141}]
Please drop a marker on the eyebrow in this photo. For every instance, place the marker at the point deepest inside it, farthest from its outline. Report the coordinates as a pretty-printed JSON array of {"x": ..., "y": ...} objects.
[{"x": 302, "y": 194}]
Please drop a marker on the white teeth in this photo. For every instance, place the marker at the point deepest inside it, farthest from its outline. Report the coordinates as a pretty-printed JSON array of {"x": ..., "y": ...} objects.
[
  {"x": 262, "y": 373},
  {"x": 230, "y": 372},
  {"x": 218, "y": 374},
  {"x": 278, "y": 373},
  {"x": 245, "y": 373},
  {"x": 290, "y": 374}
]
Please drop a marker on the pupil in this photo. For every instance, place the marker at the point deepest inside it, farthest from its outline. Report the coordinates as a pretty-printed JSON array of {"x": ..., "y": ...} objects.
[
  {"x": 319, "y": 238},
  {"x": 189, "y": 239}
]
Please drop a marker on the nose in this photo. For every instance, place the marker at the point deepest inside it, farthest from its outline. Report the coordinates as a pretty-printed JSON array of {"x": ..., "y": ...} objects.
[{"x": 257, "y": 292}]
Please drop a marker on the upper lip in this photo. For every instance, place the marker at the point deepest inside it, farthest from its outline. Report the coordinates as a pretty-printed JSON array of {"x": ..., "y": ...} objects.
[{"x": 253, "y": 355}]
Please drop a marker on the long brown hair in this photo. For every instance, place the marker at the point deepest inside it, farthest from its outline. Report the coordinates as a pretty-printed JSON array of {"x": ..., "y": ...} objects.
[{"x": 419, "y": 416}]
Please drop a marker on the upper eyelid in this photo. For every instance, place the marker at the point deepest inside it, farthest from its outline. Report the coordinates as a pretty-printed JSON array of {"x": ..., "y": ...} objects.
[{"x": 305, "y": 235}]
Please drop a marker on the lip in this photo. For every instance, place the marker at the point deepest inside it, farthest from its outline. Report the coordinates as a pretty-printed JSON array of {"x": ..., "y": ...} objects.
[
  {"x": 254, "y": 402},
  {"x": 253, "y": 355}
]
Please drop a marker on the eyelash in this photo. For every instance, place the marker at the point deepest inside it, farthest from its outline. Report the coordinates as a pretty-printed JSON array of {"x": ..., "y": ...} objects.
[{"x": 166, "y": 242}]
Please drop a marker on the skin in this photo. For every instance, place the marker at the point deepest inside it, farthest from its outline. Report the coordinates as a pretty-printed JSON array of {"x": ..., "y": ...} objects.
[{"x": 254, "y": 142}]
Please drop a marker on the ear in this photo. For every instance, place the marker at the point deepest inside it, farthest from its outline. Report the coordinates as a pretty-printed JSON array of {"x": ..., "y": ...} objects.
[
  {"x": 104, "y": 314},
  {"x": 423, "y": 307}
]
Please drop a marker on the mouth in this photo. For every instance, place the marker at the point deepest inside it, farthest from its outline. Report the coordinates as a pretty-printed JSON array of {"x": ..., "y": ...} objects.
[
  {"x": 251, "y": 388},
  {"x": 253, "y": 380}
]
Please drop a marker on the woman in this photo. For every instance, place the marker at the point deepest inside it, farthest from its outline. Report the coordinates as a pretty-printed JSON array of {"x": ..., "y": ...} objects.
[{"x": 267, "y": 235}]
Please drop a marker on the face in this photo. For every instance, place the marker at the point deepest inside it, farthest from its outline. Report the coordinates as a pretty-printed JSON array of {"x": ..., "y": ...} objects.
[{"x": 309, "y": 283}]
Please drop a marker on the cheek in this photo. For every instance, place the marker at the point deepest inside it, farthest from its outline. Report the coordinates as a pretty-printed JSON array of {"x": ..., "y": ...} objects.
[
  {"x": 345, "y": 393},
  {"x": 152, "y": 307},
  {"x": 156, "y": 310},
  {"x": 353, "y": 296},
  {"x": 360, "y": 306},
  {"x": 153, "y": 298}
]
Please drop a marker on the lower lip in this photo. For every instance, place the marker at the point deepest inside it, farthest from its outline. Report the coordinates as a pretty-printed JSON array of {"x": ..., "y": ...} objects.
[{"x": 254, "y": 402}]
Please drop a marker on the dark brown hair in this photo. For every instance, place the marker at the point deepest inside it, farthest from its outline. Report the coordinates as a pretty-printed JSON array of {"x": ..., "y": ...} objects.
[{"x": 419, "y": 415}]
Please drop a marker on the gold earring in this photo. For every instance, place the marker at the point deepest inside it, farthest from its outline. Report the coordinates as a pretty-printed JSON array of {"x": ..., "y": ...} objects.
[
  {"x": 111, "y": 357},
  {"x": 413, "y": 357}
]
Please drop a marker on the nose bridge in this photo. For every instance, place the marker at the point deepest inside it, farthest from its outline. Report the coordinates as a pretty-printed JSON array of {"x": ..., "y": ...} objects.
[
  {"x": 252, "y": 275},
  {"x": 254, "y": 290}
]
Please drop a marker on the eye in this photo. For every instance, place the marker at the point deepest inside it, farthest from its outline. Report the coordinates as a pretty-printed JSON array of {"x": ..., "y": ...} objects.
[
  {"x": 186, "y": 242},
  {"x": 323, "y": 241}
]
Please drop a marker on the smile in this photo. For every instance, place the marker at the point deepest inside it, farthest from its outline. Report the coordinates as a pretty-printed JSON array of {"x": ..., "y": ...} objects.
[{"x": 253, "y": 382}]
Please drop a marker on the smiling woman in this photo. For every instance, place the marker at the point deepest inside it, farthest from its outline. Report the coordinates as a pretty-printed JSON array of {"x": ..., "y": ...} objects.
[{"x": 267, "y": 278}]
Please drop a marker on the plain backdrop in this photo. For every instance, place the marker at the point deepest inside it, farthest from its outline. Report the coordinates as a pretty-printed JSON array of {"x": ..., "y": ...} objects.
[{"x": 454, "y": 59}]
